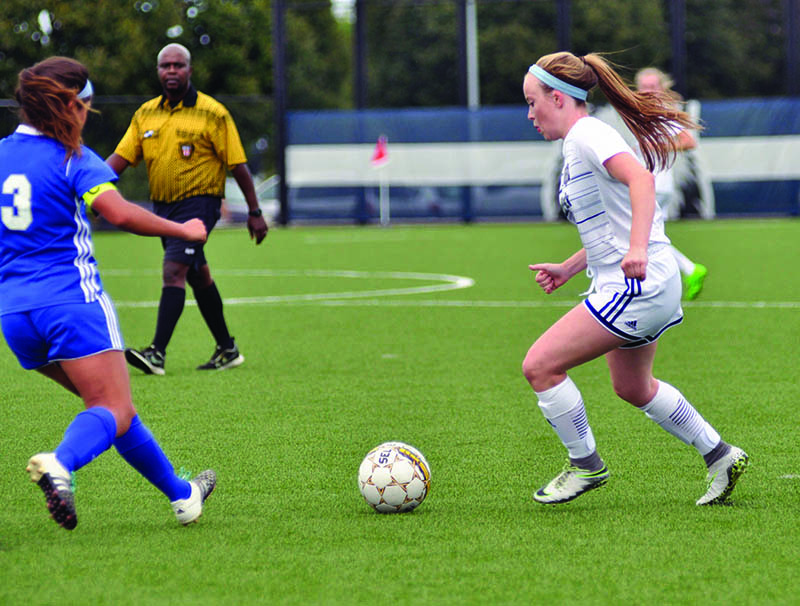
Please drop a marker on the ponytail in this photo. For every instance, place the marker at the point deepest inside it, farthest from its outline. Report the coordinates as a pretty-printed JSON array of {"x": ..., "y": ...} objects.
[{"x": 651, "y": 117}]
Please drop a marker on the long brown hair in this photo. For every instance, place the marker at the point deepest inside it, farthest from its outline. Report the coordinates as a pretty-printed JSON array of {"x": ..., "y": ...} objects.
[
  {"x": 651, "y": 117},
  {"x": 44, "y": 93}
]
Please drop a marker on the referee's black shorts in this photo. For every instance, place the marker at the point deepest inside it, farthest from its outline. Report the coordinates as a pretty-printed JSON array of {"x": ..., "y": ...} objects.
[{"x": 206, "y": 208}]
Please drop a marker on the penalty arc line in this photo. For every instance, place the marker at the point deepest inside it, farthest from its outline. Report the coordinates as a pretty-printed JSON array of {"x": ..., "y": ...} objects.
[{"x": 368, "y": 297}]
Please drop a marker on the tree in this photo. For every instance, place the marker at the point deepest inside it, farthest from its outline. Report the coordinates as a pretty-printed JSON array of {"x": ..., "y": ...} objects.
[
  {"x": 412, "y": 54},
  {"x": 736, "y": 48},
  {"x": 230, "y": 42}
]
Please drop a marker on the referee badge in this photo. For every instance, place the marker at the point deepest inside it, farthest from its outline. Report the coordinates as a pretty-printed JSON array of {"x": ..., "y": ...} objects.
[{"x": 187, "y": 149}]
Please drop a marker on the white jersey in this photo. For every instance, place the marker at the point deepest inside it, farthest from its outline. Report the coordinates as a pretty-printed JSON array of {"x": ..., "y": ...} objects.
[{"x": 593, "y": 200}]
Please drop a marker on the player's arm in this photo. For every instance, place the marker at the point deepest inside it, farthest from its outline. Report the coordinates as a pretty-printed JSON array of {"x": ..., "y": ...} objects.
[
  {"x": 256, "y": 225},
  {"x": 551, "y": 276},
  {"x": 105, "y": 200},
  {"x": 117, "y": 163},
  {"x": 625, "y": 168}
]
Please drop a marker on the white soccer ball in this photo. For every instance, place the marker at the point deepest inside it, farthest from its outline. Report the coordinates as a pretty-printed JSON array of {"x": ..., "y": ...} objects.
[{"x": 394, "y": 477}]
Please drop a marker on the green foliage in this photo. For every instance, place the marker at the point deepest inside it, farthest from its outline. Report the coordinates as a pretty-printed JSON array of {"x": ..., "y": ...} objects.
[
  {"x": 412, "y": 54},
  {"x": 119, "y": 41},
  {"x": 231, "y": 46},
  {"x": 511, "y": 37},
  {"x": 325, "y": 381},
  {"x": 736, "y": 48}
]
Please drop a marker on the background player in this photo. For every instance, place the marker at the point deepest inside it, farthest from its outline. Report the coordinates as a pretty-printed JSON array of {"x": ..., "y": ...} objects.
[{"x": 653, "y": 80}]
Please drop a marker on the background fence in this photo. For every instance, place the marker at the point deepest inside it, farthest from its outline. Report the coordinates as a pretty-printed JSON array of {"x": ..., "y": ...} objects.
[
  {"x": 461, "y": 164},
  {"x": 491, "y": 163}
]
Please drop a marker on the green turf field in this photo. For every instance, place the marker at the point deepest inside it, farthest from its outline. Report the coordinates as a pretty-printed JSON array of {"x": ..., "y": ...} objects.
[{"x": 354, "y": 336}]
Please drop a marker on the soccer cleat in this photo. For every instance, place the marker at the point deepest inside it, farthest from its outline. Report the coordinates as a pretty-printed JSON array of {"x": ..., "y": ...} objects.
[
  {"x": 571, "y": 483},
  {"x": 723, "y": 475},
  {"x": 189, "y": 509},
  {"x": 150, "y": 360},
  {"x": 55, "y": 481},
  {"x": 223, "y": 358},
  {"x": 694, "y": 281}
]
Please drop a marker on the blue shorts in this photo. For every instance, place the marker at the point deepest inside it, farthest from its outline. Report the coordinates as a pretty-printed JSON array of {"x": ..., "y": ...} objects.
[
  {"x": 638, "y": 311},
  {"x": 205, "y": 208},
  {"x": 62, "y": 332}
]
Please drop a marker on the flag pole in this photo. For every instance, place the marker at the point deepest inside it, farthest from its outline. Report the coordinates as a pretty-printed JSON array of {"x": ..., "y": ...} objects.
[
  {"x": 380, "y": 158},
  {"x": 383, "y": 195}
]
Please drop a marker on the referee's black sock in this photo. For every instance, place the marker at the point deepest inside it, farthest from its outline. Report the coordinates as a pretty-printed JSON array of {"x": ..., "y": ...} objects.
[
  {"x": 210, "y": 304},
  {"x": 170, "y": 308}
]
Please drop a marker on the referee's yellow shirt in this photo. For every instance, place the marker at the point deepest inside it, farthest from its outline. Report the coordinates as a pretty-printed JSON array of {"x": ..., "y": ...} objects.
[{"x": 188, "y": 148}]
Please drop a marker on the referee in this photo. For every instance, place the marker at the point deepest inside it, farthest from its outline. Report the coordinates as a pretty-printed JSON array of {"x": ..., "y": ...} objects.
[{"x": 188, "y": 141}]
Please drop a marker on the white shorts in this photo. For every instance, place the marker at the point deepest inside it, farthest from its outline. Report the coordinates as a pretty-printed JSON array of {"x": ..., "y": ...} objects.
[{"x": 634, "y": 310}]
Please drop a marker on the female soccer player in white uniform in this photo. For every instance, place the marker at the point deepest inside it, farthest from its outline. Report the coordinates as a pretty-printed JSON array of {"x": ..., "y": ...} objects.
[
  {"x": 607, "y": 193},
  {"x": 55, "y": 315}
]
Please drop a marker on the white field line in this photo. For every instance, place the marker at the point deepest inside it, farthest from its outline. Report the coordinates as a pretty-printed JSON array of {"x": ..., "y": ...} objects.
[
  {"x": 447, "y": 282},
  {"x": 367, "y": 298}
]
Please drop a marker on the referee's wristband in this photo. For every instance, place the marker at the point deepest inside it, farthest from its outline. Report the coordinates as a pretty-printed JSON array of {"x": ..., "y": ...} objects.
[{"x": 256, "y": 212}]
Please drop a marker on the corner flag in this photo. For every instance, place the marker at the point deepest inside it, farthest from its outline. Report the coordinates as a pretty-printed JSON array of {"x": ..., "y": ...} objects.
[{"x": 381, "y": 154}]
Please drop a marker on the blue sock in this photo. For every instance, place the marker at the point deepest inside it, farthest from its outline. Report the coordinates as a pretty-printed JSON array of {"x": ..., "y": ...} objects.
[
  {"x": 140, "y": 449},
  {"x": 90, "y": 434}
]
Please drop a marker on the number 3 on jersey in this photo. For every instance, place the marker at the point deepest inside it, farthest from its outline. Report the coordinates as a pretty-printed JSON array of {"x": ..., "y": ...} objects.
[{"x": 19, "y": 216}]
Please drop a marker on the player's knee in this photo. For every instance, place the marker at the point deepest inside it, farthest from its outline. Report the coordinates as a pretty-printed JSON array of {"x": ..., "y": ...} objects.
[
  {"x": 199, "y": 279},
  {"x": 123, "y": 413},
  {"x": 174, "y": 274},
  {"x": 536, "y": 370},
  {"x": 633, "y": 393}
]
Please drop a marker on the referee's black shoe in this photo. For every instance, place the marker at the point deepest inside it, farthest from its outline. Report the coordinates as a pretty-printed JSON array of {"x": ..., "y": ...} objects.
[
  {"x": 150, "y": 360},
  {"x": 223, "y": 358}
]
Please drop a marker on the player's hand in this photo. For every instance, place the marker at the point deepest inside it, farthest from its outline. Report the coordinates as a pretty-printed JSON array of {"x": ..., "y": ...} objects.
[
  {"x": 258, "y": 228},
  {"x": 550, "y": 275},
  {"x": 634, "y": 264},
  {"x": 195, "y": 231}
]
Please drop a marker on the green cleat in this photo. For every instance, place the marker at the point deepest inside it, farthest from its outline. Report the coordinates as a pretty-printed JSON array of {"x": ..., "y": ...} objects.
[{"x": 694, "y": 281}]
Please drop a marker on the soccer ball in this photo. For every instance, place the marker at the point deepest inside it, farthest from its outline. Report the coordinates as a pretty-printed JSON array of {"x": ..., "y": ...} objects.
[{"x": 394, "y": 477}]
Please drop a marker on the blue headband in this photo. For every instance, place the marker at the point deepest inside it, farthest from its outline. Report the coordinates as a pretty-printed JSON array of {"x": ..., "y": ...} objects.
[
  {"x": 87, "y": 91},
  {"x": 553, "y": 82}
]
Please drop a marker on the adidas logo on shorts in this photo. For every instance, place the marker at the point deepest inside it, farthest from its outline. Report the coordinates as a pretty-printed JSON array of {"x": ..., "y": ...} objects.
[{"x": 631, "y": 324}]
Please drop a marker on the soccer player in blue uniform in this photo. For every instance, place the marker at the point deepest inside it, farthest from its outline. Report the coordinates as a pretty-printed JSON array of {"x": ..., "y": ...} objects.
[
  {"x": 610, "y": 197},
  {"x": 56, "y": 317}
]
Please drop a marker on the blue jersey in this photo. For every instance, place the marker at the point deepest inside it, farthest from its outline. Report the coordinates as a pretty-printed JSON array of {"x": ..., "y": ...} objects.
[{"x": 46, "y": 251}]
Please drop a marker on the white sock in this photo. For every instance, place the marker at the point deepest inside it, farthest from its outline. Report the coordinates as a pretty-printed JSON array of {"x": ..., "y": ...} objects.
[
  {"x": 676, "y": 415},
  {"x": 685, "y": 264},
  {"x": 563, "y": 408}
]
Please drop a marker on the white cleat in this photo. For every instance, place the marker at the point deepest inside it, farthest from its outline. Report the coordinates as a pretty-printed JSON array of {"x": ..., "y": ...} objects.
[
  {"x": 723, "y": 475},
  {"x": 188, "y": 510},
  {"x": 56, "y": 482},
  {"x": 571, "y": 483}
]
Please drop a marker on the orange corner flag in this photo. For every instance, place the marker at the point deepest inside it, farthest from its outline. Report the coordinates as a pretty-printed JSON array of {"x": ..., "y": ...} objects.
[{"x": 381, "y": 154}]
